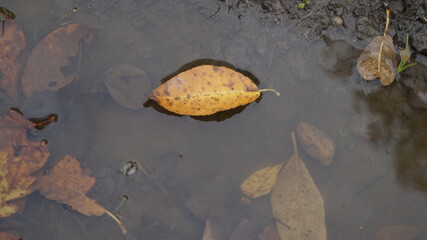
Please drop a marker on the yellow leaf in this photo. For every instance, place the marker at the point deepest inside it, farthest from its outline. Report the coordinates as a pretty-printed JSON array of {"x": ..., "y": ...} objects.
[
  {"x": 205, "y": 90},
  {"x": 260, "y": 182},
  {"x": 19, "y": 159},
  {"x": 297, "y": 203}
]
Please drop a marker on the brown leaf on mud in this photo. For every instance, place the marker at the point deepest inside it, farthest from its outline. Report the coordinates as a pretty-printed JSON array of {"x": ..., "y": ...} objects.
[
  {"x": 12, "y": 42},
  {"x": 205, "y": 90},
  {"x": 19, "y": 159},
  {"x": 367, "y": 63},
  {"x": 67, "y": 183},
  {"x": 248, "y": 229},
  {"x": 297, "y": 203},
  {"x": 270, "y": 233},
  {"x": 51, "y": 65},
  {"x": 397, "y": 232},
  {"x": 317, "y": 143},
  {"x": 8, "y": 236},
  {"x": 378, "y": 59}
]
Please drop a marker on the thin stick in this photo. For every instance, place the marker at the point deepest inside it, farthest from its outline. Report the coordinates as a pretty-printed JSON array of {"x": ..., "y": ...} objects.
[
  {"x": 269, "y": 90},
  {"x": 122, "y": 227},
  {"x": 382, "y": 42}
]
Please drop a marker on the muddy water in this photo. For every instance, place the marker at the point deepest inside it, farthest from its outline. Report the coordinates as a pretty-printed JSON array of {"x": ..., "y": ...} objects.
[{"x": 195, "y": 166}]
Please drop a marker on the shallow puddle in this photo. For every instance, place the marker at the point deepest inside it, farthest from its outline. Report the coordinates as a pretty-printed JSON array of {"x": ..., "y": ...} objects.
[{"x": 166, "y": 174}]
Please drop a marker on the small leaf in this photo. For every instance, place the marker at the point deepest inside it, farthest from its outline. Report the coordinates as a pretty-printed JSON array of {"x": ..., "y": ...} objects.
[
  {"x": 317, "y": 143},
  {"x": 367, "y": 63},
  {"x": 127, "y": 85},
  {"x": 297, "y": 203},
  {"x": 49, "y": 66},
  {"x": 8, "y": 236},
  {"x": 11, "y": 45},
  {"x": 67, "y": 183},
  {"x": 397, "y": 232},
  {"x": 19, "y": 159},
  {"x": 260, "y": 182},
  {"x": 205, "y": 90}
]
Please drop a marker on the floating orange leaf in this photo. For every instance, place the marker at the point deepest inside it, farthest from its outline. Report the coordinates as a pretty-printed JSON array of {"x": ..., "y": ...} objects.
[
  {"x": 19, "y": 159},
  {"x": 12, "y": 42},
  {"x": 205, "y": 90},
  {"x": 67, "y": 183},
  {"x": 49, "y": 66}
]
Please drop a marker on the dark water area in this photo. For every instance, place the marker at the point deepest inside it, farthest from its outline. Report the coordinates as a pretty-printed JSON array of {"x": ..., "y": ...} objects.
[{"x": 191, "y": 168}]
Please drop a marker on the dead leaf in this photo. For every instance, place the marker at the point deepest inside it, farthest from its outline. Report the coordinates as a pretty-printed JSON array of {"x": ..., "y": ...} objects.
[
  {"x": 397, "y": 232},
  {"x": 49, "y": 66},
  {"x": 248, "y": 229},
  {"x": 211, "y": 231},
  {"x": 67, "y": 183},
  {"x": 270, "y": 233},
  {"x": 12, "y": 42},
  {"x": 260, "y": 182},
  {"x": 8, "y": 236},
  {"x": 378, "y": 59},
  {"x": 19, "y": 159},
  {"x": 205, "y": 90},
  {"x": 317, "y": 143},
  {"x": 127, "y": 85},
  {"x": 297, "y": 203}
]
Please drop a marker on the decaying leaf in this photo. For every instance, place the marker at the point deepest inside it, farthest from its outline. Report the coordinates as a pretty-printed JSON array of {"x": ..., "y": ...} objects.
[
  {"x": 367, "y": 63},
  {"x": 12, "y": 42},
  {"x": 211, "y": 231},
  {"x": 260, "y": 182},
  {"x": 297, "y": 203},
  {"x": 67, "y": 183},
  {"x": 397, "y": 232},
  {"x": 205, "y": 90},
  {"x": 19, "y": 159},
  {"x": 270, "y": 233},
  {"x": 248, "y": 229},
  {"x": 49, "y": 66},
  {"x": 378, "y": 59},
  {"x": 127, "y": 85},
  {"x": 317, "y": 143},
  {"x": 8, "y": 236}
]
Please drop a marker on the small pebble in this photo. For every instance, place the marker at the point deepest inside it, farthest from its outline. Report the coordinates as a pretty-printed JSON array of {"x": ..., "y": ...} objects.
[{"x": 338, "y": 21}]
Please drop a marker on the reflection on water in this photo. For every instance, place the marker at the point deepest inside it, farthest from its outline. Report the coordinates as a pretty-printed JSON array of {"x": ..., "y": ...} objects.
[{"x": 194, "y": 168}]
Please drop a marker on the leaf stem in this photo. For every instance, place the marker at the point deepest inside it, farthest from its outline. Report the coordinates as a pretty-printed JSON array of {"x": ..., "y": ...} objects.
[
  {"x": 269, "y": 90},
  {"x": 382, "y": 42},
  {"x": 122, "y": 227},
  {"x": 294, "y": 141}
]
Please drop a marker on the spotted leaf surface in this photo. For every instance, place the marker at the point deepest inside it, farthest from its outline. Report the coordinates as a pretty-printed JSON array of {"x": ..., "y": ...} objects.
[{"x": 205, "y": 90}]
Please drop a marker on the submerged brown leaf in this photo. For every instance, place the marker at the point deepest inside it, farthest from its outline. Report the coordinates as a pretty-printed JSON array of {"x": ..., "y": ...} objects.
[
  {"x": 316, "y": 142},
  {"x": 19, "y": 160},
  {"x": 260, "y": 182},
  {"x": 397, "y": 232},
  {"x": 68, "y": 184},
  {"x": 50, "y": 65},
  {"x": 297, "y": 203},
  {"x": 12, "y": 42},
  {"x": 8, "y": 236}
]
